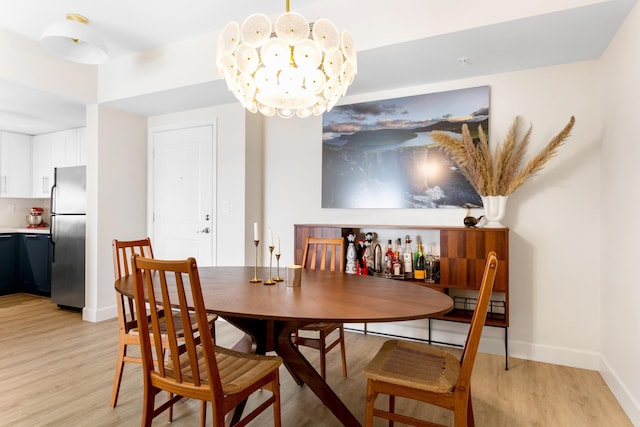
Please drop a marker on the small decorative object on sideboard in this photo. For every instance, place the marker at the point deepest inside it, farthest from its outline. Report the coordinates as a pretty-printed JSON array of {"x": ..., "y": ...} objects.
[
  {"x": 470, "y": 221},
  {"x": 351, "y": 254},
  {"x": 495, "y": 174}
]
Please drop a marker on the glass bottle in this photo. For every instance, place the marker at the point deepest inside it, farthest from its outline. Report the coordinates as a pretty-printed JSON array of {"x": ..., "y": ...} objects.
[
  {"x": 432, "y": 266},
  {"x": 397, "y": 259},
  {"x": 419, "y": 266},
  {"x": 388, "y": 258},
  {"x": 407, "y": 255}
]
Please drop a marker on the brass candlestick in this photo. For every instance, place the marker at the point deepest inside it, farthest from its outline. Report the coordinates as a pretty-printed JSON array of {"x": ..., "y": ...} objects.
[
  {"x": 255, "y": 268},
  {"x": 278, "y": 278},
  {"x": 270, "y": 281}
]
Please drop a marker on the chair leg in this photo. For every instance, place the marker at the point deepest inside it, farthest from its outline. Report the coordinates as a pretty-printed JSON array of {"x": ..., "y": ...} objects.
[
  {"x": 275, "y": 389},
  {"x": 323, "y": 355},
  {"x": 460, "y": 407},
  {"x": 343, "y": 352},
  {"x": 470, "y": 421},
  {"x": 122, "y": 352},
  {"x": 203, "y": 413},
  {"x": 148, "y": 407},
  {"x": 371, "y": 400},
  {"x": 392, "y": 407}
]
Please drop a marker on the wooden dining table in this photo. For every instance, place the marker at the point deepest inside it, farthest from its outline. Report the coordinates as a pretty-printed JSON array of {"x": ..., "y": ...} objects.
[{"x": 269, "y": 313}]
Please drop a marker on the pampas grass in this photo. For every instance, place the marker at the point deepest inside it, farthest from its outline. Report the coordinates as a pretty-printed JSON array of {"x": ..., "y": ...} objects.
[{"x": 503, "y": 174}]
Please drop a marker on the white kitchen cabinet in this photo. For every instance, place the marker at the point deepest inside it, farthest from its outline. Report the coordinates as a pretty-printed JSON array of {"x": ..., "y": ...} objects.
[
  {"x": 42, "y": 164},
  {"x": 15, "y": 165},
  {"x": 54, "y": 150}
]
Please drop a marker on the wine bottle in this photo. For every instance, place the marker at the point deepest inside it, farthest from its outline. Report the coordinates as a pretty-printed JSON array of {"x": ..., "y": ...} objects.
[{"x": 419, "y": 266}]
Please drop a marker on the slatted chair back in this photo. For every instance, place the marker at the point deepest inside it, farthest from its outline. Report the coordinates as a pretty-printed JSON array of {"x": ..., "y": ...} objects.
[
  {"x": 478, "y": 319},
  {"x": 122, "y": 252},
  {"x": 429, "y": 374},
  {"x": 190, "y": 368},
  {"x": 324, "y": 254},
  {"x": 175, "y": 285},
  {"x": 127, "y": 322}
]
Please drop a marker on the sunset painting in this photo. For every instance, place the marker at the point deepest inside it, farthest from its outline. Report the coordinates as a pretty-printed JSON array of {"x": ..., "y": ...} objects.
[{"x": 379, "y": 154}]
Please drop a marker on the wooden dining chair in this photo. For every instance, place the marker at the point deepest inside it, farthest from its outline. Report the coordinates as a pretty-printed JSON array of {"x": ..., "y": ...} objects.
[
  {"x": 429, "y": 374},
  {"x": 195, "y": 366},
  {"x": 323, "y": 254},
  {"x": 127, "y": 321}
]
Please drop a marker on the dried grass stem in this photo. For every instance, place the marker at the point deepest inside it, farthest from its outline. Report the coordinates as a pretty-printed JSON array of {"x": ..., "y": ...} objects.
[{"x": 502, "y": 175}]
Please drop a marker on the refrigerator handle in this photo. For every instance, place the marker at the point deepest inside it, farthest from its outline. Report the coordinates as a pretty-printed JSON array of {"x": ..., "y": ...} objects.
[
  {"x": 52, "y": 239},
  {"x": 52, "y": 199}
]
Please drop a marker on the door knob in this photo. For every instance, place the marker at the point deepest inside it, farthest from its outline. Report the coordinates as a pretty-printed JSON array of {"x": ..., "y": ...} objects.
[{"x": 205, "y": 230}]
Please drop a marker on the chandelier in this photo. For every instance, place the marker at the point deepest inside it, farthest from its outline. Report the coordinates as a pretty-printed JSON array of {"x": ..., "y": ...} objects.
[{"x": 290, "y": 68}]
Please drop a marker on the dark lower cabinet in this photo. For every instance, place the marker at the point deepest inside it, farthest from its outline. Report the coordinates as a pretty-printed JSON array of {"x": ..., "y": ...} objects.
[
  {"x": 35, "y": 263},
  {"x": 8, "y": 265}
]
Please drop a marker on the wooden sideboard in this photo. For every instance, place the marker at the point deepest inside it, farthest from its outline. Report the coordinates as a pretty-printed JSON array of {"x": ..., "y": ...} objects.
[{"x": 463, "y": 253}]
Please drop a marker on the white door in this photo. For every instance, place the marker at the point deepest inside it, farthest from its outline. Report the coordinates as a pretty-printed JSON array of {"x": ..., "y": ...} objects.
[{"x": 183, "y": 194}]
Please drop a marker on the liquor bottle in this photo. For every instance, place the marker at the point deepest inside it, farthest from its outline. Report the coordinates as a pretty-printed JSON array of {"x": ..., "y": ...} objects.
[
  {"x": 432, "y": 266},
  {"x": 407, "y": 255},
  {"x": 388, "y": 258},
  {"x": 397, "y": 260},
  {"x": 350, "y": 268},
  {"x": 418, "y": 271}
]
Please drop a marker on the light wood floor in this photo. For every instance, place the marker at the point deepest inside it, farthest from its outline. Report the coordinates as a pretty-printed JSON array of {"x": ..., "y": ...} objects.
[{"x": 56, "y": 370}]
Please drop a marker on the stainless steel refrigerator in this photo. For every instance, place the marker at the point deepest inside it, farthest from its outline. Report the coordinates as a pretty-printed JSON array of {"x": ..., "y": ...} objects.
[{"x": 68, "y": 231}]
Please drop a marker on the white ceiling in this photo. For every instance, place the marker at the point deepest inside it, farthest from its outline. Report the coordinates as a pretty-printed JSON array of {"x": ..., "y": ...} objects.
[{"x": 400, "y": 44}]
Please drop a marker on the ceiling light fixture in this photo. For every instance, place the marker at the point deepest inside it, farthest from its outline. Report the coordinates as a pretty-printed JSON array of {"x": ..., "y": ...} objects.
[
  {"x": 294, "y": 68},
  {"x": 74, "y": 40}
]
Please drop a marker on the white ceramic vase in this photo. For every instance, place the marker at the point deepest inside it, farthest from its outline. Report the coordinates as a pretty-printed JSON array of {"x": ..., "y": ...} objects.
[{"x": 494, "y": 210}]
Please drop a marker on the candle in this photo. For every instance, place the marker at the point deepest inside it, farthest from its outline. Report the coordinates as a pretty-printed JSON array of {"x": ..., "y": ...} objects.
[
  {"x": 255, "y": 231},
  {"x": 270, "y": 237},
  {"x": 278, "y": 249}
]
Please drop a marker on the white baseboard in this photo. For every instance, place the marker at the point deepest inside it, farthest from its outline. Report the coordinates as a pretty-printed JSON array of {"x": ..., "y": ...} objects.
[
  {"x": 555, "y": 354},
  {"x": 630, "y": 405},
  {"x": 106, "y": 313}
]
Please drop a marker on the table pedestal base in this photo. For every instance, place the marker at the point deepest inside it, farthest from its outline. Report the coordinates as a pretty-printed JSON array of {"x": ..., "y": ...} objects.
[{"x": 274, "y": 335}]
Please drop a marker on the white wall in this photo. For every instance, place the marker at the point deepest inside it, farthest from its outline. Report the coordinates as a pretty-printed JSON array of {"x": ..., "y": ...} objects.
[
  {"x": 554, "y": 281},
  {"x": 620, "y": 201},
  {"x": 25, "y": 62},
  {"x": 116, "y": 193}
]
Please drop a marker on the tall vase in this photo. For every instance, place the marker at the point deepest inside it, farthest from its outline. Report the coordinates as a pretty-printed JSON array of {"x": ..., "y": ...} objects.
[{"x": 494, "y": 210}]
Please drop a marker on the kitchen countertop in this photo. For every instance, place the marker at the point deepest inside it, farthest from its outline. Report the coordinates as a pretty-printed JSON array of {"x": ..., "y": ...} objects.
[{"x": 25, "y": 230}]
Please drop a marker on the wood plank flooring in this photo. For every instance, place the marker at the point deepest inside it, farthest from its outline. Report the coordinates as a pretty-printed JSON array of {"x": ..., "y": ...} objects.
[{"x": 56, "y": 370}]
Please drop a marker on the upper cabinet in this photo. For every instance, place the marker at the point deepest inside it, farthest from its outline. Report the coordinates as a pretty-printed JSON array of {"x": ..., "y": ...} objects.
[
  {"x": 52, "y": 150},
  {"x": 15, "y": 165},
  {"x": 42, "y": 165},
  {"x": 27, "y": 162}
]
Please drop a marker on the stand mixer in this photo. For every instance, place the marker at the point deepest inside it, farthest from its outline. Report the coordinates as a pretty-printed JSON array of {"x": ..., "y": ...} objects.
[{"x": 35, "y": 218}]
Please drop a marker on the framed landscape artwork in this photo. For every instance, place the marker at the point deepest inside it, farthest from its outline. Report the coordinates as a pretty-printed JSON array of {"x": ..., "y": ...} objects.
[{"x": 379, "y": 154}]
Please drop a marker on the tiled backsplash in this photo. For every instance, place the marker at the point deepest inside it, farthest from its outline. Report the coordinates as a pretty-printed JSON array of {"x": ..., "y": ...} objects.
[{"x": 14, "y": 212}]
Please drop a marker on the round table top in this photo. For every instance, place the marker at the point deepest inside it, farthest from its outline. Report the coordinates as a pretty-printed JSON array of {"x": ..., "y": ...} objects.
[{"x": 323, "y": 296}]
